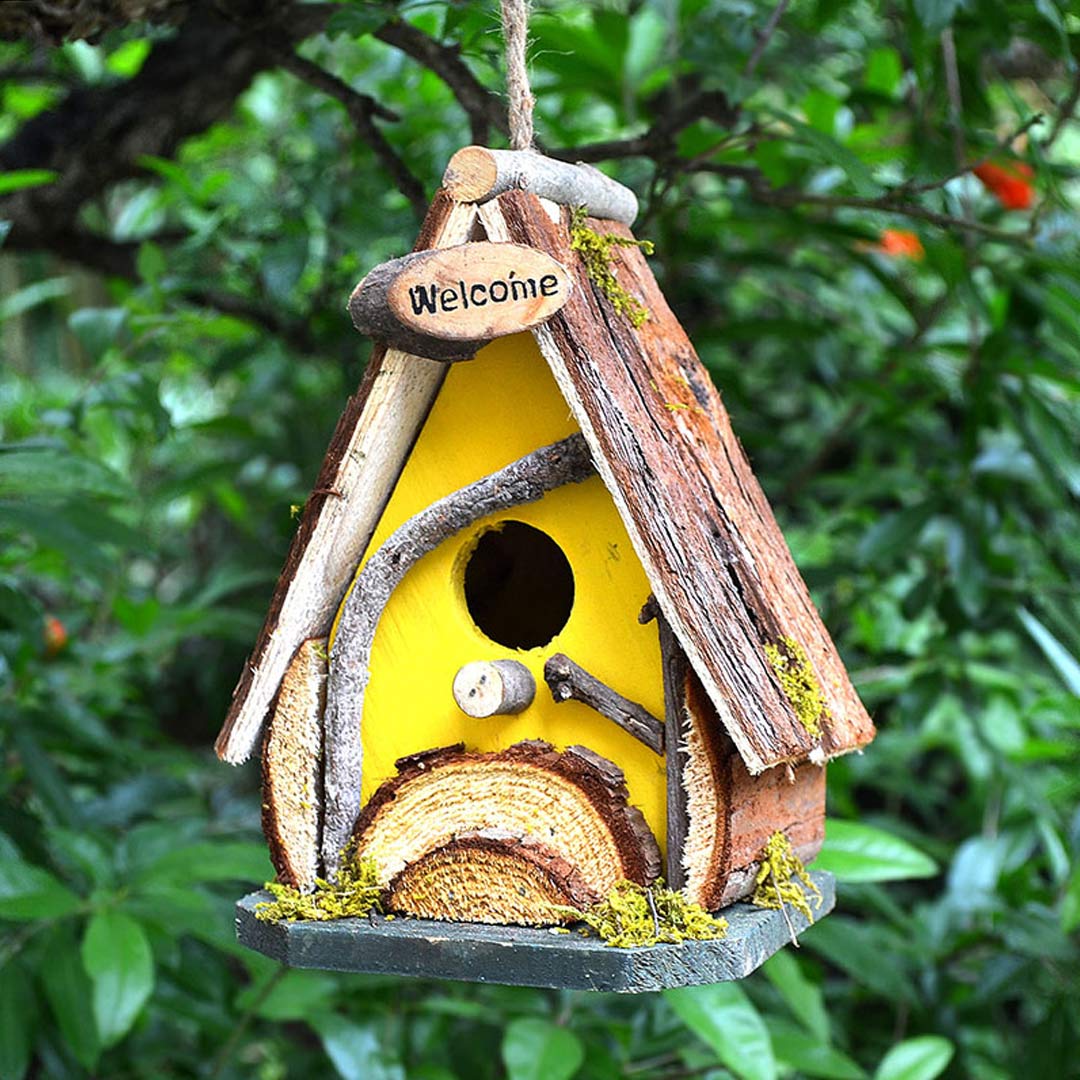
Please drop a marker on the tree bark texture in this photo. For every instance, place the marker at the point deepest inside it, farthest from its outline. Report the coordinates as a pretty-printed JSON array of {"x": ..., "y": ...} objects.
[
  {"x": 476, "y": 174},
  {"x": 662, "y": 442},
  {"x": 523, "y": 481}
]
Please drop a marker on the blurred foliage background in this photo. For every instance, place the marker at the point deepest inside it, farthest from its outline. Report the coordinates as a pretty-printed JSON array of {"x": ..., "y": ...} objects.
[{"x": 865, "y": 215}]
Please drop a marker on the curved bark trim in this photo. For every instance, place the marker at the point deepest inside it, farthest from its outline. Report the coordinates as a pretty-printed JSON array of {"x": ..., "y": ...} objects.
[{"x": 522, "y": 481}]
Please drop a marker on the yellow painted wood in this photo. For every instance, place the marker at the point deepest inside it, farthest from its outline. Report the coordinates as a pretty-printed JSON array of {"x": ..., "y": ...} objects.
[{"x": 490, "y": 412}]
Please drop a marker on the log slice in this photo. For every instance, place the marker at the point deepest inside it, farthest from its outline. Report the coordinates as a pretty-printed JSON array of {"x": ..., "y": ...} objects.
[
  {"x": 491, "y": 877},
  {"x": 292, "y": 768},
  {"x": 574, "y": 802}
]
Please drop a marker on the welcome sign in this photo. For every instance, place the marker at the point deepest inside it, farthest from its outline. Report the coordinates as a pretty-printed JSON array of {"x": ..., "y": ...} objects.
[{"x": 478, "y": 291}]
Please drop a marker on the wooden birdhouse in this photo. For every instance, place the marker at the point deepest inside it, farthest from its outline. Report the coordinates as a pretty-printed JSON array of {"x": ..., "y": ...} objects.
[{"x": 538, "y": 633}]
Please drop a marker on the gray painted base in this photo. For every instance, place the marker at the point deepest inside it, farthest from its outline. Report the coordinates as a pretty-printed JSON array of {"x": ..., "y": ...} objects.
[{"x": 520, "y": 956}]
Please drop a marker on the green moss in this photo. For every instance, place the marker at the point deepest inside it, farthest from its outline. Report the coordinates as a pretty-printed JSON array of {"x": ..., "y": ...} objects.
[
  {"x": 792, "y": 666},
  {"x": 596, "y": 252},
  {"x": 633, "y": 915},
  {"x": 778, "y": 880},
  {"x": 354, "y": 891}
]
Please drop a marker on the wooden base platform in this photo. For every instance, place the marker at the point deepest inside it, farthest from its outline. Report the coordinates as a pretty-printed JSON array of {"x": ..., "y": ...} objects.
[{"x": 520, "y": 956}]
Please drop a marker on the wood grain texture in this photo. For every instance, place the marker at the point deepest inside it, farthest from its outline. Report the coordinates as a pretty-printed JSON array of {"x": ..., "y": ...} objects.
[
  {"x": 522, "y": 481},
  {"x": 369, "y": 447},
  {"x": 476, "y": 174},
  {"x": 568, "y": 681},
  {"x": 492, "y": 876},
  {"x": 698, "y": 519},
  {"x": 574, "y": 801},
  {"x": 446, "y": 304},
  {"x": 523, "y": 956},
  {"x": 292, "y": 769}
]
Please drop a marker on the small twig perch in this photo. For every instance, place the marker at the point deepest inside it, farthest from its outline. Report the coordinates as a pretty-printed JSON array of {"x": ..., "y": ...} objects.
[
  {"x": 567, "y": 681},
  {"x": 523, "y": 481}
]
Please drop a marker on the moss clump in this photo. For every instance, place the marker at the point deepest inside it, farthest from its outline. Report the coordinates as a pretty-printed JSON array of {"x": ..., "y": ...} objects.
[
  {"x": 354, "y": 891},
  {"x": 638, "y": 915},
  {"x": 792, "y": 666},
  {"x": 596, "y": 252},
  {"x": 776, "y": 884}
]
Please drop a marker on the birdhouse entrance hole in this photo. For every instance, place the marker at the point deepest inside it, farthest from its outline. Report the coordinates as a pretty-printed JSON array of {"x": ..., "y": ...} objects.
[{"x": 519, "y": 587}]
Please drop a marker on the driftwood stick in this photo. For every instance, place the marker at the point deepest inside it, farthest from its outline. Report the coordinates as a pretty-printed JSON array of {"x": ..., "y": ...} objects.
[
  {"x": 568, "y": 681},
  {"x": 476, "y": 174},
  {"x": 523, "y": 481}
]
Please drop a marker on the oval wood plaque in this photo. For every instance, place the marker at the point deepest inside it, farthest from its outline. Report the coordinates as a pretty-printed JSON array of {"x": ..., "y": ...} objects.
[{"x": 479, "y": 291}]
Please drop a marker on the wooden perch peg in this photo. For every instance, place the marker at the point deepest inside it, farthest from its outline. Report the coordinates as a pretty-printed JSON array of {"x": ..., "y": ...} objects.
[
  {"x": 476, "y": 174},
  {"x": 494, "y": 688},
  {"x": 570, "y": 682},
  {"x": 446, "y": 304}
]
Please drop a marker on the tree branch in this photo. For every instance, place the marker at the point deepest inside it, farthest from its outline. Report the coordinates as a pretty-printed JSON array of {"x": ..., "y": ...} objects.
[
  {"x": 764, "y": 38},
  {"x": 484, "y": 109},
  {"x": 362, "y": 110},
  {"x": 660, "y": 139}
]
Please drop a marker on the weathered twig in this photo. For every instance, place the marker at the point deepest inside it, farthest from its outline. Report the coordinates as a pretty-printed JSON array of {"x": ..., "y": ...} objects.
[
  {"x": 363, "y": 110},
  {"x": 764, "y": 38},
  {"x": 523, "y": 481},
  {"x": 483, "y": 108},
  {"x": 570, "y": 682}
]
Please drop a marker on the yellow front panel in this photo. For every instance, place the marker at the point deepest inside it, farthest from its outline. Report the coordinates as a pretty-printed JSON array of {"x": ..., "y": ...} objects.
[{"x": 491, "y": 411}]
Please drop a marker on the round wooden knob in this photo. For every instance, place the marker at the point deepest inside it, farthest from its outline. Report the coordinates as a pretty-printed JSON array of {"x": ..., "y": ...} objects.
[{"x": 493, "y": 688}]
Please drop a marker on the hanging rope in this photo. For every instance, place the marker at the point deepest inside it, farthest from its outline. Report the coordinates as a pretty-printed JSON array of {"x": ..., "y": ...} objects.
[{"x": 515, "y": 20}]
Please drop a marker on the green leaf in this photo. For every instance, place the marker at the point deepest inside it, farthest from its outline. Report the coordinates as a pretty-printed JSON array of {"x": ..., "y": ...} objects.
[
  {"x": 97, "y": 328},
  {"x": 724, "y": 1017},
  {"x": 354, "y": 1050},
  {"x": 29, "y": 892},
  {"x": 829, "y": 151},
  {"x": 296, "y": 995},
  {"x": 1061, "y": 660},
  {"x": 17, "y": 1021},
  {"x": 806, "y": 1055},
  {"x": 225, "y": 861},
  {"x": 69, "y": 992},
  {"x": 30, "y": 296},
  {"x": 117, "y": 957},
  {"x": 893, "y": 534},
  {"x": 1070, "y": 904},
  {"x": 922, "y": 1058},
  {"x": 535, "y": 1049},
  {"x": 857, "y": 852},
  {"x": 801, "y": 996},
  {"x": 20, "y": 179}
]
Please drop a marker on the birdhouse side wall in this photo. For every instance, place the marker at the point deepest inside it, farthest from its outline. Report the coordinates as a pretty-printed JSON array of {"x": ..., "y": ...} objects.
[{"x": 730, "y": 814}]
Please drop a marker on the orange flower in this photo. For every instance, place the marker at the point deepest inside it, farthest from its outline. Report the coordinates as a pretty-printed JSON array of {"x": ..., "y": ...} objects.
[
  {"x": 1010, "y": 183},
  {"x": 55, "y": 636},
  {"x": 899, "y": 244}
]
